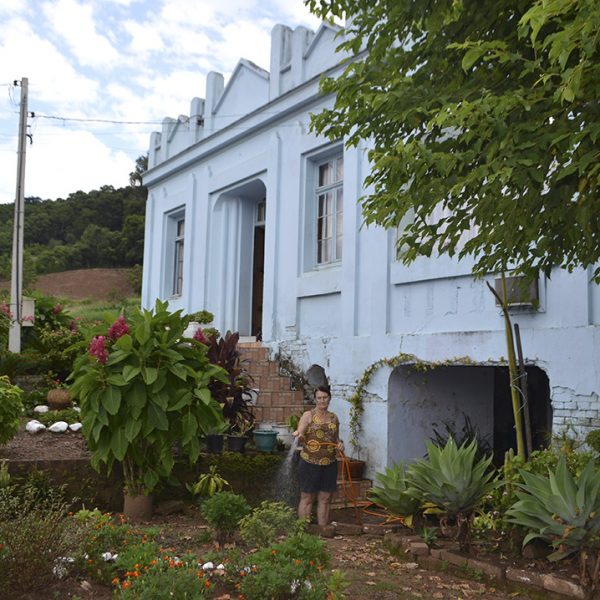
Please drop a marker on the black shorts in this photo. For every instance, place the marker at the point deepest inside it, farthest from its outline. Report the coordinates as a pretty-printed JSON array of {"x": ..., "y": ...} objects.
[{"x": 317, "y": 478}]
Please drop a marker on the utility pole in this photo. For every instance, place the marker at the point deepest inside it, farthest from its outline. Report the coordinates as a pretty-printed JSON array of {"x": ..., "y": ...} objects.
[{"x": 16, "y": 282}]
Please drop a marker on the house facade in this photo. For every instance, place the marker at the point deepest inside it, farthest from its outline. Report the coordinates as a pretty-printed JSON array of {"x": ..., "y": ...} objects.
[{"x": 253, "y": 217}]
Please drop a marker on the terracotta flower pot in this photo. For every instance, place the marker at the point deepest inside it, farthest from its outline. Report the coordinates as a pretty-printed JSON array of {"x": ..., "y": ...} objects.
[
  {"x": 356, "y": 467},
  {"x": 58, "y": 398},
  {"x": 137, "y": 508}
]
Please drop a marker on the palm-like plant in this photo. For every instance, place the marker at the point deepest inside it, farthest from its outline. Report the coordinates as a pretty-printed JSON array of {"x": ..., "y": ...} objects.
[
  {"x": 564, "y": 511},
  {"x": 451, "y": 480},
  {"x": 392, "y": 493}
]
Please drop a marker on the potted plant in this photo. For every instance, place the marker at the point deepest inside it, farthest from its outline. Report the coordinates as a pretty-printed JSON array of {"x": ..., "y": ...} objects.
[
  {"x": 215, "y": 436},
  {"x": 232, "y": 393},
  {"x": 143, "y": 390},
  {"x": 238, "y": 435}
]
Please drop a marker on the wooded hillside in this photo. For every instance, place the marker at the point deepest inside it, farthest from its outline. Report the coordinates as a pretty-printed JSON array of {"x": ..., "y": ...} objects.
[{"x": 101, "y": 228}]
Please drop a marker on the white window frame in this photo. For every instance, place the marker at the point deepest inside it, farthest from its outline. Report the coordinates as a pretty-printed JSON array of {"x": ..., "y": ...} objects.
[
  {"x": 328, "y": 211},
  {"x": 174, "y": 253},
  {"x": 178, "y": 248}
]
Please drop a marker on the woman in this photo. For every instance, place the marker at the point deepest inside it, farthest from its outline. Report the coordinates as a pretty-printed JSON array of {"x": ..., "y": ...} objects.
[{"x": 318, "y": 432}]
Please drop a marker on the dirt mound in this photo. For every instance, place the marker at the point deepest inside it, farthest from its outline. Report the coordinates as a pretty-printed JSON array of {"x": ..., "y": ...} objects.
[{"x": 81, "y": 284}]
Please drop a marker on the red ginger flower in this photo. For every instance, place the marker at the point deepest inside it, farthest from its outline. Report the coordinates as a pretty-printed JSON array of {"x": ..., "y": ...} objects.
[
  {"x": 200, "y": 337},
  {"x": 118, "y": 328},
  {"x": 98, "y": 349}
]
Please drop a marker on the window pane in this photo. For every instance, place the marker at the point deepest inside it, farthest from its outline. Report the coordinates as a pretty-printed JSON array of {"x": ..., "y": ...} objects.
[
  {"x": 325, "y": 174},
  {"x": 180, "y": 227},
  {"x": 338, "y": 247},
  {"x": 339, "y": 169}
]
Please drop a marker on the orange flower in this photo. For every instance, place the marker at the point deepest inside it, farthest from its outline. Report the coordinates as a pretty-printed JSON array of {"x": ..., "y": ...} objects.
[
  {"x": 115, "y": 581},
  {"x": 126, "y": 585},
  {"x": 273, "y": 552},
  {"x": 311, "y": 563},
  {"x": 298, "y": 561},
  {"x": 207, "y": 584},
  {"x": 90, "y": 561}
]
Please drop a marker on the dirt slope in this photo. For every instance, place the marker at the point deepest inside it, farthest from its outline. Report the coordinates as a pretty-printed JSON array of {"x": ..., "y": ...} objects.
[{"x": 95, "y": 284}]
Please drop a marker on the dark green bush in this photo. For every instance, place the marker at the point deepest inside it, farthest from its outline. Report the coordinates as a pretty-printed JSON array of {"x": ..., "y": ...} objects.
[
  {"x": 268, "y": 522},
  {"x": 11, "y": 409},
  {"x": 223, "y": 512}
]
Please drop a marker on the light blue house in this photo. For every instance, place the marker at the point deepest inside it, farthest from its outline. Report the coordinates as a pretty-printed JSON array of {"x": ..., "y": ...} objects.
[{"x": 254, "y": 218}]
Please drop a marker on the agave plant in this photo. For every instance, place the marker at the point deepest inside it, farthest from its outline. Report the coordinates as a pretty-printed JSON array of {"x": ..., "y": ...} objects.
[
  {"x": 564, "y": 511},
  {"x": 391, "y": 493},
  {"x": 451, "y": 480}
]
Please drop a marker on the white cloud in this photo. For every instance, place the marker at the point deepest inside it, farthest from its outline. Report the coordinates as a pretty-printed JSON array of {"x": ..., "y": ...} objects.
[
  {"x": 23, "y": 53},
  {"x": 123, "y": 60},
  {"x": 63, "y": 162},
  {"x": 75, "y": 25}
]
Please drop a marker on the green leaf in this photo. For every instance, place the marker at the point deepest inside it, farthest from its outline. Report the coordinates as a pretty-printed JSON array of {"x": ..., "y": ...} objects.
[
  {"x": 132, "y": 429},
  {"x": 157, "y": 417},
  {"x": 111, "y": 400},
  {"x": 189, "y": 427},
  {"x": 129, "y": 372},
  {"x": 119, "y": 444},
  {"x": 151, "y": 479},
  {"x": 149, "y": 374}
]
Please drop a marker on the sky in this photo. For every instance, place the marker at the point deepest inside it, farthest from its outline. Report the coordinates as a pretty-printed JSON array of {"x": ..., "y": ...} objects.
[{"x": 93, "y": 62}]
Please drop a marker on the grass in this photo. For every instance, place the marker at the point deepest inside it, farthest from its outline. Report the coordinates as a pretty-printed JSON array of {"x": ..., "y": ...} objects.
[{"x": 94, "y": 310}]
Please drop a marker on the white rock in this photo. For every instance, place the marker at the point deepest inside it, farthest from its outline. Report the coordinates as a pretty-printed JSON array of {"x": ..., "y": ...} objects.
[
  {"x": 208, "y": 566},
  {"x": 59, "y": 427},
  {"x": 75, "y": 426},
  {"x": 108, "y": 556},
  {"x": 76, "y": 409},
  {"x": 41, "y": 408},
  {"x": 221, "y": 567},
  {"x": 34, "y": 426}
]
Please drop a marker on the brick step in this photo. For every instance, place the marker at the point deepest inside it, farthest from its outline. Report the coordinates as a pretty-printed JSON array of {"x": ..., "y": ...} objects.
[{"x": 360, "y": 491}]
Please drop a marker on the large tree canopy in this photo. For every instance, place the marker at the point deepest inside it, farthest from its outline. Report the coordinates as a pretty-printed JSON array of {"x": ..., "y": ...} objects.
[{"x": 482, "y": 116}]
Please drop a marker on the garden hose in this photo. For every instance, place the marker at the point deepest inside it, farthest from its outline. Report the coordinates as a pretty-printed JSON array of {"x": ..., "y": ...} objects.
[{"x": 351, "y": 496}]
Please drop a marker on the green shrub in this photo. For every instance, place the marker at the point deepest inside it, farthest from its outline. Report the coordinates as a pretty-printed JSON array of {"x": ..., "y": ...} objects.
[
  {"x": 564, "y": 511},
  {"x": 268, "y": 522},
  {"x": 170, "y": 578},
  {"x": 108, "y": 535},
  {"x": 223, "y": 512},
  {"x": 294, "y": 568},
  {"x": 452, "y": 481},
  {"x": 592, "y": 439},
  {"x": 33, "y": 398},
  {"x": 70, "y": 415},
  {"x": 35, "y": 532},
  {"x": 11, "y": 409}
]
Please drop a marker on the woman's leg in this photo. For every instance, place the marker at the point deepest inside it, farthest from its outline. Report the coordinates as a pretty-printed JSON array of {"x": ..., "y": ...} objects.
[
  {"x": 324, "y": 502},
  {"x": 306, "y": 504}
]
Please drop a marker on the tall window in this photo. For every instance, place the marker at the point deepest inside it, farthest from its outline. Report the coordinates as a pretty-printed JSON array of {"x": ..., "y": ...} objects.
[
  {"x": 178, "y": 257},
  {"x": 330, "y": 210}
]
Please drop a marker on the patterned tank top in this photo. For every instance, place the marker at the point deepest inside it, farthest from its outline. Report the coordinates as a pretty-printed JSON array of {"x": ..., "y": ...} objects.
[{"x": 320, "y": 430}]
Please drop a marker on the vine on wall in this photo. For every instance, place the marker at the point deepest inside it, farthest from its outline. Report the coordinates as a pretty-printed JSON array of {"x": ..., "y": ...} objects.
[{"x": 356, "y": 399}]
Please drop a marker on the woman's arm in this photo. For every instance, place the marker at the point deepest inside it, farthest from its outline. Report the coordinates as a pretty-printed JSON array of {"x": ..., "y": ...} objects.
[{"x": 302, "y": 426}]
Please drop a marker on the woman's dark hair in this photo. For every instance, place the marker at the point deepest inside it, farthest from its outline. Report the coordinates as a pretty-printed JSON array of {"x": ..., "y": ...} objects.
[{"x": 322, "y": 388}]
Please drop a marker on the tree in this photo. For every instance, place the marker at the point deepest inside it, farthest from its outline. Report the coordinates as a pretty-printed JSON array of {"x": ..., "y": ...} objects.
[
  {"x": 141, "y": 166},
  {"x": 482, "y": 117}
]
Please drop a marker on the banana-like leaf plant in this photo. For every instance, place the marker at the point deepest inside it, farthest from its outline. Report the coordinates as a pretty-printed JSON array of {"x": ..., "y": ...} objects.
[
  {"x": 143, "y": 389},
  {"x": 391, "y": 493},
  {"x": 451, "y": 480},
  {"x": 564, "y": 511}
]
